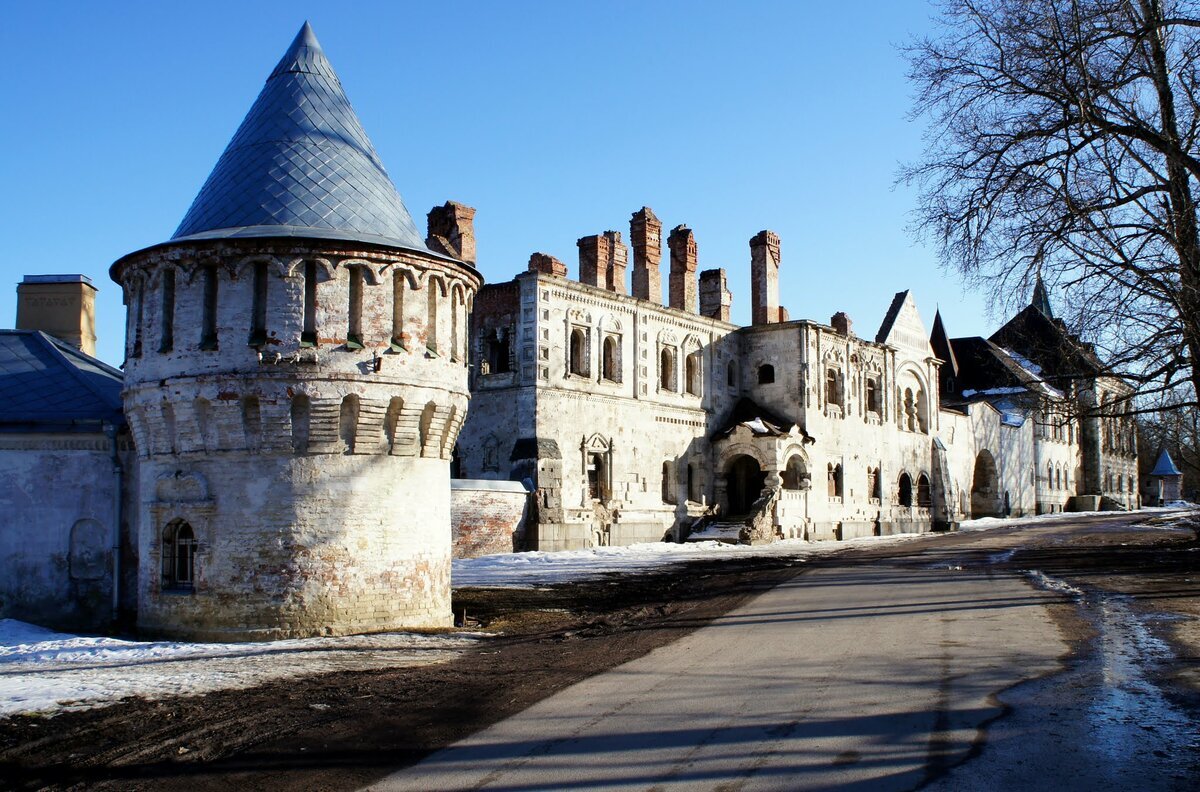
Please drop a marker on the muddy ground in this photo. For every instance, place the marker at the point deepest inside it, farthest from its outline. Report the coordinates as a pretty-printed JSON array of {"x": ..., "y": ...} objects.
[{"x": 344, "y": 730}]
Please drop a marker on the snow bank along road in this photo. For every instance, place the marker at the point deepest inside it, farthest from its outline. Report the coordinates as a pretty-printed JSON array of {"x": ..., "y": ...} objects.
[{"x": 891, "y": 675}]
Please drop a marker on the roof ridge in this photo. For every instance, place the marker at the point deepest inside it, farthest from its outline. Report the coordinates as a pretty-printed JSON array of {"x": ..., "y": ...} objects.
[{"x": 60, "y": 350}]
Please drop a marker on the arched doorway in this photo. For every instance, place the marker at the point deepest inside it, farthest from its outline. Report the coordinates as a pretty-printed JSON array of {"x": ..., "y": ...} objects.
[
  {"x": 904, "y": 490},
  {"x": 985, "y": 487},
  {"x": 744, "y": 481}
]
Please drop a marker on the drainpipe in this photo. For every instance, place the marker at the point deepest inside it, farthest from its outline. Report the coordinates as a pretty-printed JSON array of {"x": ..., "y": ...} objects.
[{"x": 110, "y": 430}]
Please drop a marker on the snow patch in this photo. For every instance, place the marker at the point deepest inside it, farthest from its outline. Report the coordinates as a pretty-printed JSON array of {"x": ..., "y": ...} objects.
[{"x": 1042, "y": 580}]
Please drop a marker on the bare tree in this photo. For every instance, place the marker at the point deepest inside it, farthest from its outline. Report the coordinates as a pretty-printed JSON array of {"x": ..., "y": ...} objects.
[{"x": 1063, "y": 141}]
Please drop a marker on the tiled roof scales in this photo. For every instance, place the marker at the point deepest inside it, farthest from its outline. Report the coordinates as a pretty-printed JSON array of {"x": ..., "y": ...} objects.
[{"x": 301, "y": 165}]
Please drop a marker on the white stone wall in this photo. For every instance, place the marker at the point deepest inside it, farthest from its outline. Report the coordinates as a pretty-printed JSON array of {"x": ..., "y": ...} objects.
[{"x": 58, "y": 512}]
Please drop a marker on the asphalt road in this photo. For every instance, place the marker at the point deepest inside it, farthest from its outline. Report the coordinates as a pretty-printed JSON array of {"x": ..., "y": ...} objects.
[{"x": 888, "y": 675}]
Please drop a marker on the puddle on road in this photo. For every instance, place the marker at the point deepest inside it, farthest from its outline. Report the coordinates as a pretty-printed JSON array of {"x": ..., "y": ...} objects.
[{"x": 1133, "y": 727}]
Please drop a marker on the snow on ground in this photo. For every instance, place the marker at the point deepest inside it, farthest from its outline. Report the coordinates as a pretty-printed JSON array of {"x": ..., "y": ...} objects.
[{"x": 45, "y": 671}]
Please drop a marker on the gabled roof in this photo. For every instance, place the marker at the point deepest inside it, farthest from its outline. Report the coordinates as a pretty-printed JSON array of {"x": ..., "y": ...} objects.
[
  {"x": 1165, "y": 466},
  {"x": 49, "y": 385},
  {"x": 902, "y": 326},
  {"x": 940, "y": 342},
  {"x": 301, "y": 165}
]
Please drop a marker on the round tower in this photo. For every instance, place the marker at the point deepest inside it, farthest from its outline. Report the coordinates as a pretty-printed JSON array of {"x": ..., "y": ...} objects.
[{"x": 295, "y": 381}]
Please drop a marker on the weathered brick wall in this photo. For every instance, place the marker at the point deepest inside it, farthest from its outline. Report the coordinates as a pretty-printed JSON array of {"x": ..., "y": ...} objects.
[{"x": 487, "y": 517}]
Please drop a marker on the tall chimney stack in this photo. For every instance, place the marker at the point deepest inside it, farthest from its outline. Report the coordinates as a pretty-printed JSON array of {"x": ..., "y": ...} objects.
[
  {"x": 645, "y": 236},
  {"x": 618, "y": 261},
  {"x": 452, "y": 231},
  {"x": 764, "y": 278},
  {"x": 593, "y": 260},
  {"x": 715, "y": 297},
  {"x": 62, "y": 305},
  {"x": 682, "y": 243}
]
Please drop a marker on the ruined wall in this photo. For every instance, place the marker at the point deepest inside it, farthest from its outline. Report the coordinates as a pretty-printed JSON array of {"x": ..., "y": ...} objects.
[{"x": 487, "y": 517}]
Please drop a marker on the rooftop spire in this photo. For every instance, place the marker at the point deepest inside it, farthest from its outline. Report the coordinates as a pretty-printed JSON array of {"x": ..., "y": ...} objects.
[
  {"x": 301, "y": 165},
  {"x": 1041, "y": 300}
]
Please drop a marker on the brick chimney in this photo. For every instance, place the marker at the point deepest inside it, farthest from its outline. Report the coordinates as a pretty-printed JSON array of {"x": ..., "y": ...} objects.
[
  {"x": 452, "y": 231},
  {"x": 682, "y": 288},
  {"x": 543, "y": 262},
  {"x": 645, "y": 236},
  {"x": 715, "y": 297},
  {"x": 841, "y": 323},
  {"x": 593, "y": 260},
  {"x": 617, "y": 263},
  {"x": 62, "y": 305},
  {"x": 764, "y": 278}
]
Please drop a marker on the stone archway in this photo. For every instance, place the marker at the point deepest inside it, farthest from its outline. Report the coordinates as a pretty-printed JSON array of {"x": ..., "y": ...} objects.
[
  {"x": 744, "y": 480},
  {"x": 985, "y": 487}
]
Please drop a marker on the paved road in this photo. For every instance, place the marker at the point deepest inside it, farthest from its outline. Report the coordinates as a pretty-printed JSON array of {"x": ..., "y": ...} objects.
[{"x": 876, "y": 676}]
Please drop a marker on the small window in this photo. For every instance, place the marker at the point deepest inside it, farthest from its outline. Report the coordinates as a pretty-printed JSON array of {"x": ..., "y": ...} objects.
[
  {"x": 904, "y": 493},
  {"x": 731, "y": 374},
  {"x": 795, "y": 476},
  {"x": 666, "y": 369},
  {"x": 611, "y": 367},
  {"x": 301, "y": 411},
  {"x": 692, "y": 373},
  {"x": 399, "y": 280},
  {"x": 179, "y": 557},
  {"x": 872, "y": 395},
  {"x": 833, "y": 391},
  {"x": 208, "y": 326},
  {"x": 924, "y": 496},
  {"x": 348, "y": 423},
  {"x": 308, "y": 335},
  {"x": 766, "y": 374},
  {"x": 693, "y": 484},
  {"x": 497, "y": 351},
  {"x": 354, "y": 310},
  {"x": 874, "y": 485},
  {"x": 168, "y": 311},
  {"x": 597, "y": 473},
  {"x": 258, "y": 320},
  {"x": 138, "y": 317},
  {"x": 668, "y": 488},
  {"x": 431, "y": 315},
  {"x": 579, "y": 363},
  {"x": 835, "y": 480}
]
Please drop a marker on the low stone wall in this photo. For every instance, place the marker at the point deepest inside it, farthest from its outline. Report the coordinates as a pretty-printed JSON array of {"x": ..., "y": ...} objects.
[{"x": 486, "y": 517}]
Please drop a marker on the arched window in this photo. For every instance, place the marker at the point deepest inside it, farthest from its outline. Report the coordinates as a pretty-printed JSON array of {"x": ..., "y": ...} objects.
[
  {"x": 258, "y": 305},
  {"x": 872, "y": 395},
  {"x": 301, "y": 411},
  {"x": 835, "y": 480},
  {"x": 833, "y": 393},
  {"x": 178, "y": 556},
  {"x": 1049, "y": 475},
  {"x": 610, "y": 365},
  {"x": 399, "y": 281},
  {"x": 208, "y": 322},
  {"x": 924, "y": 497},
  {"x": 692, "y": 372},
  {"x": 794, "y": 473},
  {"x": 348, "y": 423},
  {"x": 431, "y": 315},
  {"x": 668, "y": 487},
  {"x": 168, "y": 310},
  {"x": 308, "y": 335},
  {"x": 904, "y": 492},
  {"x": 666, "y": 369},
  {"x": 354, "y": 308},
  {"x": 579, "y": 362},
  {"x": 766, "y": 374}
]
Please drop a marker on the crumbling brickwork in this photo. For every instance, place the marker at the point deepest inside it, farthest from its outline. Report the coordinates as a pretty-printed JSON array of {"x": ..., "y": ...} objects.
[
  {"x": 684, "y": 256},
  {"x": 645, "y": 236}
]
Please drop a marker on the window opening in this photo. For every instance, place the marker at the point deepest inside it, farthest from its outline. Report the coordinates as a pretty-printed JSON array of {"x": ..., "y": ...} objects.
[
  {"x": 308, "y": 336},
  {"x": 354, "y": 309},
  {"x": 766, "y": 374},
  {"x": 666, "y": 369},
  {"x": 497, "y": 351},
  {"x": 168, "y": 311},
  {"x": 609, "y": 367},
  {"x": 208, "y": 330},
  {"x": 398, "y": 279},
  {"x": 258, "y": 323},
  {"x": 904, "y": 490},
  {"x": 179, "y": 557},
  {"x": 924, "y": 497},
  {"x": 597, "y": 474},
  {"x": 692, "y": 373},
  {"x": 579, "y": 352},
  {"x": 139, "y": 316}
]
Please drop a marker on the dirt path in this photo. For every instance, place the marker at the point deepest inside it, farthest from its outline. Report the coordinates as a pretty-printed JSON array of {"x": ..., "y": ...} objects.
[{"x": 344, "y": 730}]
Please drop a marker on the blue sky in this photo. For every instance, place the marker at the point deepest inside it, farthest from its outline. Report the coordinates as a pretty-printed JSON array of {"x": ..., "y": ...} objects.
[{"x": 554, "y": 119}]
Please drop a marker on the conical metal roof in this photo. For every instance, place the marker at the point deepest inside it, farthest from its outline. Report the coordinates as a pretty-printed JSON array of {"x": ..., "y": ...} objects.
[
  {"x": 1165, "y": 465},
  {"x": 300, "y": 165}
]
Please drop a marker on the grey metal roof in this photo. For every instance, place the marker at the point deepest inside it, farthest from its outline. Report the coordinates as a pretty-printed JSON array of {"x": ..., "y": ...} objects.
[
  {"x": 300, "y": 165},
  {"x": 50, "y": 385},
  {"x": 1165, "y": 465}
]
